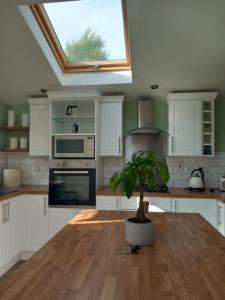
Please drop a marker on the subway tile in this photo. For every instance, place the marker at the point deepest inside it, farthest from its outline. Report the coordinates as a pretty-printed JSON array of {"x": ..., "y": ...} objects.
[
  {"x": 180, "y": 183},
  {"x": 214, "y": 170},
  {"x": 42, "y": 181}
]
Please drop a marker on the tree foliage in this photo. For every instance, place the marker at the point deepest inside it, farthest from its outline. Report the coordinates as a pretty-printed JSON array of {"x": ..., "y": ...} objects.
[{"x": 90, "y": 47}]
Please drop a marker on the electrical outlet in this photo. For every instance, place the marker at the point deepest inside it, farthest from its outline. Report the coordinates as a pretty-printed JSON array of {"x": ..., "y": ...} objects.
[{"x": 180, "y": 166}]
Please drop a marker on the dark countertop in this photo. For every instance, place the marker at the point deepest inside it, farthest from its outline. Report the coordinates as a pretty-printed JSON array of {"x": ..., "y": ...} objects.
[
  {"x": 26, "y": 189},
  {"x": 173, "y": 193}
]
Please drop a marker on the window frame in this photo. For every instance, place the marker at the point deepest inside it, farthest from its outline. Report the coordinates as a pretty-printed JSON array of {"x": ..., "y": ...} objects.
[{"x": 42, "y": 19}]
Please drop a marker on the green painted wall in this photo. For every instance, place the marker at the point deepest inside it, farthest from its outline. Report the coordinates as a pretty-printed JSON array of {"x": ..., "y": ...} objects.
[
  {"x": 161, "y": 119},
  {"x": 220, "y": 124}
]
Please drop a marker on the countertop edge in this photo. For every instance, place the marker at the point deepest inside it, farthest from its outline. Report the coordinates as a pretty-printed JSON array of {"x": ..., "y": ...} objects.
[{"x": 173, "y": 193}]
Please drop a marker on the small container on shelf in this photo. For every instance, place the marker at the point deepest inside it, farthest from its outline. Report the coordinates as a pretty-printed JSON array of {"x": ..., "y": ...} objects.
[
  {"x": 11, "y": 118},
  {"x": 23, "y": 142},
  {"x": 207, "y": 150},
  {"x": 25, "y": 120},
  {"x": 13, "y": 143}
]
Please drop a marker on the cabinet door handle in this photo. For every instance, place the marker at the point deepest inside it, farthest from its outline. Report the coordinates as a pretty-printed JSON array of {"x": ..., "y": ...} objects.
[
  {"x": 219, "y": 216},
  {"x": 119, "y": 145},
  {"x": 45, "y": 206},
  {"x": 3, "y": 213},
  {"x": 7, "y": 212},
  {"x": 172, "y": 144},
  {"x": 175, "y": 205}
]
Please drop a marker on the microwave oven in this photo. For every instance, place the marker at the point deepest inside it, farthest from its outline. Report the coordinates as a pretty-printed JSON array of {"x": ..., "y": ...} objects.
[{"x": 74, "y": 146}]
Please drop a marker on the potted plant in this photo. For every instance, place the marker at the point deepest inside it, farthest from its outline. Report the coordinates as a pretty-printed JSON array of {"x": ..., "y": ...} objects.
[{"x": 140, "y": 172}]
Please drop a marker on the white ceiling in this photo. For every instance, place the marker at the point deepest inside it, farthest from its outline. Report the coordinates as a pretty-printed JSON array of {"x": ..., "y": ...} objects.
[{"x": 177, "y": 44}]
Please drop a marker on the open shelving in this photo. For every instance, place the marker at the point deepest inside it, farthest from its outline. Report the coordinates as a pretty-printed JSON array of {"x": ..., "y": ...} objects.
[
  {"x": 208, "y": 128},
  {"x": 61, "y": 123}
]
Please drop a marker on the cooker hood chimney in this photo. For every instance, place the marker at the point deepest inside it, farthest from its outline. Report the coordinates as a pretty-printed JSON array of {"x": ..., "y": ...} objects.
[{"x": 145, "y": 120}]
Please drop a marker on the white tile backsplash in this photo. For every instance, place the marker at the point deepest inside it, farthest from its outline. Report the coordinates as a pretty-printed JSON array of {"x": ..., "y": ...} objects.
[
  {"x": 213, "y": 168},
  {"x": 35, "y": 170}
]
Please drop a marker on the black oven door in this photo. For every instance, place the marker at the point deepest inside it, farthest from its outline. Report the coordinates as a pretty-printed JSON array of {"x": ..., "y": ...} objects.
[{"x": 72, "y": 187}]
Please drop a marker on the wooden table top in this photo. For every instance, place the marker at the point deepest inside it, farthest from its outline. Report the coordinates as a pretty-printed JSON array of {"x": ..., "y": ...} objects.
[{"x": 85, "y": 260}]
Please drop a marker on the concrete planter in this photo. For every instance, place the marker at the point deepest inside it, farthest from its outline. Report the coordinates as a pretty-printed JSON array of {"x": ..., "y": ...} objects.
[{"x": 141, "y": 234}]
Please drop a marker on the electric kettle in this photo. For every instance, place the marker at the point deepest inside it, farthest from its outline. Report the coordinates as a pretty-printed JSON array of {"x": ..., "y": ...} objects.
[{"x": 196, "y": 182}]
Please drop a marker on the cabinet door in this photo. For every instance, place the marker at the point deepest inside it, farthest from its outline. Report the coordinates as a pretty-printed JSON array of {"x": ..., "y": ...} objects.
[
  {"x": 35, "y": 222},
  {"x": 14, "y": 224},
  {"x": 59, "y": 217},
  {"x": 111, "y": 129},
  {"x": 10, "y": 232},
  {"x": 39, "y": 130},
  {"x": 3, "y": 234},
  {"x": 129, "y": 204},
  {"x": 185, "y": 128},
  {"x": 221, "y": 221},
  {"x": 107, "y": 202},
  {"x": 157, "y": 204},
  {"x": 207, "y": 208}
]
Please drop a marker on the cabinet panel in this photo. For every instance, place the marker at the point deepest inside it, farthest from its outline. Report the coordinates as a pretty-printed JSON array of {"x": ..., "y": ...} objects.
[
  {"x": 59, "y": 217},
  {"x": 185, "y": 128},
  {"x": 129, "y": 204},
  {"x": 221, "y": 220},
  {"x": 3, "y": 234},
  {"x": 14, "y": 223},
  {"x": 35, "y": 222},
  {"x": 10, "y": 232},
  {"x": 39, "y": 130},
  {"x": 206, "y": 207},
  {"x": 157, "y": 204},
  {"x": 107, "y": 202},
  {"x": 111, "y": 129}
]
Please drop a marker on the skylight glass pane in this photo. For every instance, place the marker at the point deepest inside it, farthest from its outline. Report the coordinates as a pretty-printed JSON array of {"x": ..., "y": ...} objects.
[{"x": 89, "y": 30}]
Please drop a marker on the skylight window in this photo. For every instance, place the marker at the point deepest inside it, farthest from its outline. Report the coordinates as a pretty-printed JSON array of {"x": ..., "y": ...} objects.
[{"x": 86, "y": 35}]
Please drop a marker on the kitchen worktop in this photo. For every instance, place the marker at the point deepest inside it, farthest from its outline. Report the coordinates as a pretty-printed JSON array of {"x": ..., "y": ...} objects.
[
  {"x": 26, "y": 189},
  {"x": 173, "y": 193},
  {"x": 88, "y": 259}
]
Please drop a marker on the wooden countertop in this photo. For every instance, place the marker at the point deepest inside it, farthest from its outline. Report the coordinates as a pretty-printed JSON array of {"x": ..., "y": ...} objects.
[
  {"x": 173, "y": 193},
  {"x": 86, "y": 260},
  {"x": 26, "y": 189}
]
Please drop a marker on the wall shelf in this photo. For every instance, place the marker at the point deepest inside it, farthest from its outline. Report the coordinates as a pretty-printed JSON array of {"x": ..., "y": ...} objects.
[
  {"x": 14, "y": 150},
  {"x": 4, "y": 128}
]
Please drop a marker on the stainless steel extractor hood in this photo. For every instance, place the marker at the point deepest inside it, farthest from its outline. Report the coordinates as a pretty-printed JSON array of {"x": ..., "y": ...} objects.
[{"x": 145, "y": 120}]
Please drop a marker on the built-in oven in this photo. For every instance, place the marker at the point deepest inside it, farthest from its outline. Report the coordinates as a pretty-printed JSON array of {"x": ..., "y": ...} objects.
[
  {"x": 72, "y": 186},
  {"x": 74, "y": 146}
]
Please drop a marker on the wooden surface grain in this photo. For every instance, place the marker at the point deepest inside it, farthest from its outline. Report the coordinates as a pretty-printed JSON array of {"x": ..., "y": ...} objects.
[
  {"x": 173, "y": 193},
  {"x": 26, "y": 189},
  {"x": 87, "y": 260}
]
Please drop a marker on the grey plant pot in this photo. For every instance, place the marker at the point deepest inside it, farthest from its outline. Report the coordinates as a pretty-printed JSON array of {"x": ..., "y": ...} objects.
[{"x": 139, "y": 233}]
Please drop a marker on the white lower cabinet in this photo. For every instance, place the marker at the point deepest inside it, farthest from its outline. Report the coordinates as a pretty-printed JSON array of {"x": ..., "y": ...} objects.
[
  {"x": 128, "y": 204},
  {"x": 207, "y": 208},
  {"x": 59, "y": 217},
  {"x": 107, "y": 202},
  {"x": 157, "y": 204},
  {"x": 34, "y": 222},
  {"x": 10, "y": 233},
  {"x": 221, "y": 217}
]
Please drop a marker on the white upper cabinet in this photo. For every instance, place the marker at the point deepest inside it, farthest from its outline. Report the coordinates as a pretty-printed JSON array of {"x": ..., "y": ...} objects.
[
  {"x": 111, "y": 126},
  {"x": 39, "y": 127},
  {"x": 185, "y": 128},
  {"x": 191, "y": 124}
]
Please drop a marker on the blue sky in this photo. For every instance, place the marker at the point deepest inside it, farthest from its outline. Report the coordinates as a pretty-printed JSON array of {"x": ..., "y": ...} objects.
[{"x": 70, "y": 19}]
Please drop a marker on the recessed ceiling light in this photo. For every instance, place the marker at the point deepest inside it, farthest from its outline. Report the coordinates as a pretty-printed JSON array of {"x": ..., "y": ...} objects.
[{"x": 154, "y": 86}]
